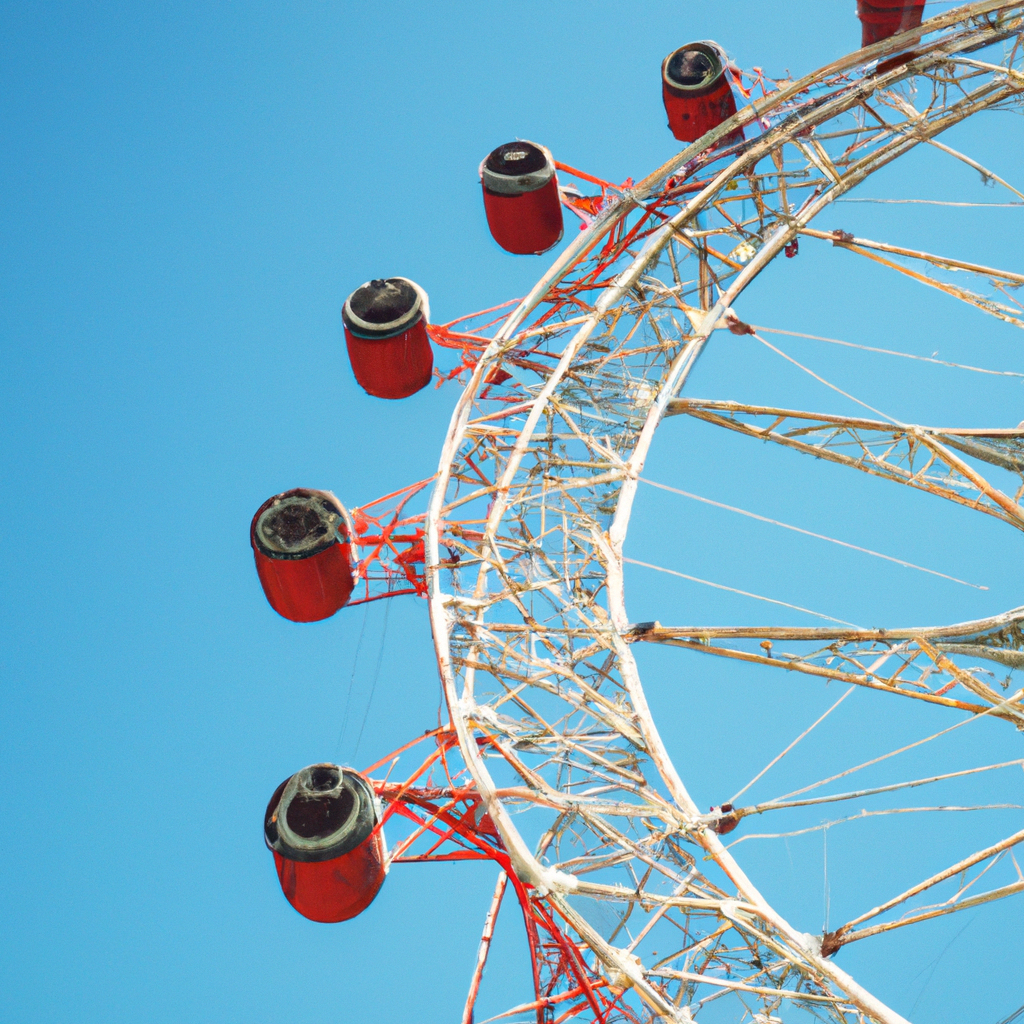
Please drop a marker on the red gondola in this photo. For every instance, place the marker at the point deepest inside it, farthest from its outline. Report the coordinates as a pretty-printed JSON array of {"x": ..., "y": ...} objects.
[
  {"x": 323, "y": 827},
  {"x": 386, "y": 334},
  {"x": 880, "y": 19},
  {"x": 521, "y": 200},
  {"x": 300, "y": 540},
  {"x": 696, "y": 91}
]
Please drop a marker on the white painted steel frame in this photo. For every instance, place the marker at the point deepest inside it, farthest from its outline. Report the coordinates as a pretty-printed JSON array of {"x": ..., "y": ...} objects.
[{"x": 947, "y": 36}]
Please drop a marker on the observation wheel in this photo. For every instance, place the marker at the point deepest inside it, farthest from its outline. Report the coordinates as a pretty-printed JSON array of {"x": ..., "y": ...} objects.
[{"x": 552, "y": 764}]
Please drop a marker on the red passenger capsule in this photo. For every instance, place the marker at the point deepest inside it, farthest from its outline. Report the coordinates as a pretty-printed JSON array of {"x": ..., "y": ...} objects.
[
  {"x": 386, "y": 334},
  {"x": 521, "y": 200},
  {"x": 323, "y": 826},
  {"x": 880, "y": 19},
  {"x": 301, "y": 544},
  {"x": 696, "y": 92}
]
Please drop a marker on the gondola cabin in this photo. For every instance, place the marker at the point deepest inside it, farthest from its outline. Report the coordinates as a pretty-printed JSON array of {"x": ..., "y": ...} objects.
[
  {"x": 696, "y": 92},
  {"x": 386, "y": 334},
  {"x": 521, "y": 201},
  {"x": 300, "y": 541},
  {"x": 323, "y": 827},
  {"x": 880, "y": 19}
]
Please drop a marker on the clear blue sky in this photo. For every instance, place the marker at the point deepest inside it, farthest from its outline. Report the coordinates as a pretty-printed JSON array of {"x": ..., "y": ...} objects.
[{"x": 189, "y": 193}]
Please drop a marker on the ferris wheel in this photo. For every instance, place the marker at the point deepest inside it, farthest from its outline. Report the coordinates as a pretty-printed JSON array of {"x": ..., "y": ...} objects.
[{"x": 551, "y": 764}]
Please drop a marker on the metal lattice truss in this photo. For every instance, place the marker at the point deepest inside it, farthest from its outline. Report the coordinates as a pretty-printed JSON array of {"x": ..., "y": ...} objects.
[
  {"x": 921, "y": 457},
  {"x": 526, "y": 524}
]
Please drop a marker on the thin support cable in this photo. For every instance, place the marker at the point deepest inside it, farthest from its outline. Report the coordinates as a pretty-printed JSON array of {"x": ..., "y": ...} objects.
[
  {"x": 376, "y": 675},
  {"x": 810, "y": 533},
  {"x": 828, "y": 384},
  {"x": 351, "y": 682},
  {"x": 734, "y": 590},
  {"x": 889, "y": 352},
  {"x": 771, "y": 764}
]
